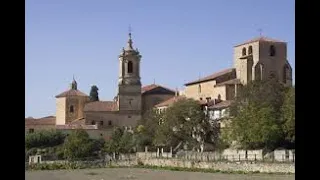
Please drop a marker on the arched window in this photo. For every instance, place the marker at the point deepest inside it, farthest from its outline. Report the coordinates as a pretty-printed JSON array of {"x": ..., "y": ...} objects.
[
  {"x": 286, "y": 73},
  {"x": 71, "y": 109},
  {"x": 250, "y": 50},
  {"x": 219, "y": 97},
  {"x": 272, "y": 50},
  {"x": 130, "y": 67},
  {"x": 244, "y": 51},
  {"x": 258, "y": 71},
  {"x": 93, "y": 122}
]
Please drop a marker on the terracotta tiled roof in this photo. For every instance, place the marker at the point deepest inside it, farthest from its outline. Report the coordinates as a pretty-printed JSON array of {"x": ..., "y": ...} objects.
[
  {"x": 71, "y": 92},
  {"x": 153, "y": 86},
  {"x": 265, "y": 39},
  {"x": 221, "y": 105},
  {"x": 170, "y": 101},
  {"x": 50, "y": 120},
  {"x": 232, "y": 81},
  {"x": 101, "y": 106},
  {"x": 212, "y": 76}
]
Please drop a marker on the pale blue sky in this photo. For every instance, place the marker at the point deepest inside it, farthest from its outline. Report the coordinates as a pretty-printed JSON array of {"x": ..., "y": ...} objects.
[{"x": 178, "y": 39}]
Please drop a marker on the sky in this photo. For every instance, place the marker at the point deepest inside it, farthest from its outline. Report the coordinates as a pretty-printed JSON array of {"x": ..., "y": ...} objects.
[{"x": 179, "y": 41}]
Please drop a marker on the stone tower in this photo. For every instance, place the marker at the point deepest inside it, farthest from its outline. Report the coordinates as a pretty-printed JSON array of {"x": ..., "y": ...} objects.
[
  {"x": 70, "y": 104},
  {"x": 261, "y": 58},
  {"x": 129, "y": 85}
]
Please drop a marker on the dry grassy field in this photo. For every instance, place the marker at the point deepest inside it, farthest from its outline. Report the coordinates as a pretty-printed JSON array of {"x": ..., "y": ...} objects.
[{"x": 144, "y": 174}]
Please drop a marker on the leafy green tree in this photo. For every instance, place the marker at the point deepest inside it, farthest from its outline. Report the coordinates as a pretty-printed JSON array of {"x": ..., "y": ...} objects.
[
  {"x": 184, "y": 123},
  {"x": 257, "y": 116},
  {"x": 43, "y": 139},
  {"x": 78, "y": 145},
  {"x": 120, "y": 142},
  {"x": 146, "y": 130},
  {"x": 94, "y": 95},
  {"x": 288, "y": 115}
]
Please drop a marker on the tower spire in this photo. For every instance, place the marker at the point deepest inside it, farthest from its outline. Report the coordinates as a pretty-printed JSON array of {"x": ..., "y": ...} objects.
[{"x": 129, "y": 46}]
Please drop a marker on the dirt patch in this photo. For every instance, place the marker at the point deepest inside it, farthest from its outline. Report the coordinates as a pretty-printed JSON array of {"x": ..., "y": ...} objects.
[{"x": 144, "y": 174}]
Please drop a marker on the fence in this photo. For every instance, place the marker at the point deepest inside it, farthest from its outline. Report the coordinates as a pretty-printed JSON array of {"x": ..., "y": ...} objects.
[{"x": 226, "y": 155}]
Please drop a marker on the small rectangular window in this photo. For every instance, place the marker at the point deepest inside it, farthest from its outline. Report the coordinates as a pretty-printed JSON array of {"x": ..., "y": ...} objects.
[
  {"x": 109, "y": 123},
  {"x": 101, "y": 123}
]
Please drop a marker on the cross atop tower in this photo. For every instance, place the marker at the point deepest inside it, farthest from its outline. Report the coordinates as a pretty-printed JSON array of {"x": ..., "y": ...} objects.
[
  {"x": 130, "y": 29},
  {"x": 129, "y": 46}
]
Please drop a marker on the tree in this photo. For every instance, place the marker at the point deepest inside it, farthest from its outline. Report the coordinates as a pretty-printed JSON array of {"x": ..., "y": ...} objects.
[
  {"x": 288, "y": 115},
  {"x": 78, "y": 145},
  {"x": 256, "y": 127},
  {"x": 184, "y": 123},
  {"x": 121, "y": 142},
  {"x": 94, "y": 95},
  {"x": 43, "y": 139},
  {"x": 257, "y": 120},
  {"x": 146, "y": 129}
]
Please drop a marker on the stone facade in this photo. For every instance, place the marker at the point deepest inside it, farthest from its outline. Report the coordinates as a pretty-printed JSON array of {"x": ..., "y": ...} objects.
[
  {"x": 256, "y": 59},
  {"x": 74, "y": 109}
]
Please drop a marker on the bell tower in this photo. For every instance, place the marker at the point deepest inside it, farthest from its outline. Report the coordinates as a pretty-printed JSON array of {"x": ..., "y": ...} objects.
[{"x": 129, "y": 84}]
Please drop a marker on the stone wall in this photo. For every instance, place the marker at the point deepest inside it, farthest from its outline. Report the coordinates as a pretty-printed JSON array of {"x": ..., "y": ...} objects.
[{"x": 224, "y": 166}]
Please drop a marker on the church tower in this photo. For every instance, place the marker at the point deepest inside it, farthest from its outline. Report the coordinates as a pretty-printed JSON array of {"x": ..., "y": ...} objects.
[
  {"x": 262, "y": 58},
  {"x": 129, "y": 84},
  {"x": 70, "y": 104}
]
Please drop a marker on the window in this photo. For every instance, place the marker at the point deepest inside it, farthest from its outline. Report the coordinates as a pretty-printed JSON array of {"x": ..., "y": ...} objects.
[
  {"x": 101, "y": 123},
  {"x": 250, "y": 50},
  {"x": 244, "y": 51},
  {"x": 272, "y": 50},
  {"x": 199, "y": 88},
  {"x": 130, "y": 67},
  {"x": 71, "y": 109},
  {"x": 31, "y": 130},
  {"x": 219, "y": 97},
  {"x": 287, "y": 73},
  {"x": 93, "y": 123},
  {"x": 109, "y": 123},
  {"x": 129, "y": 116},
  {"x": 101, "y": 134},
  {"x": 208, "y": 99},
  {"x": 200, "y": 99}
]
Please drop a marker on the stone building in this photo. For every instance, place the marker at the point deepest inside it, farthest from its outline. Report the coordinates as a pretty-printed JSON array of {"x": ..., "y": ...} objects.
[
  {"x": 74, "y": 109},
  {"x": 256, "y": 59}
]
